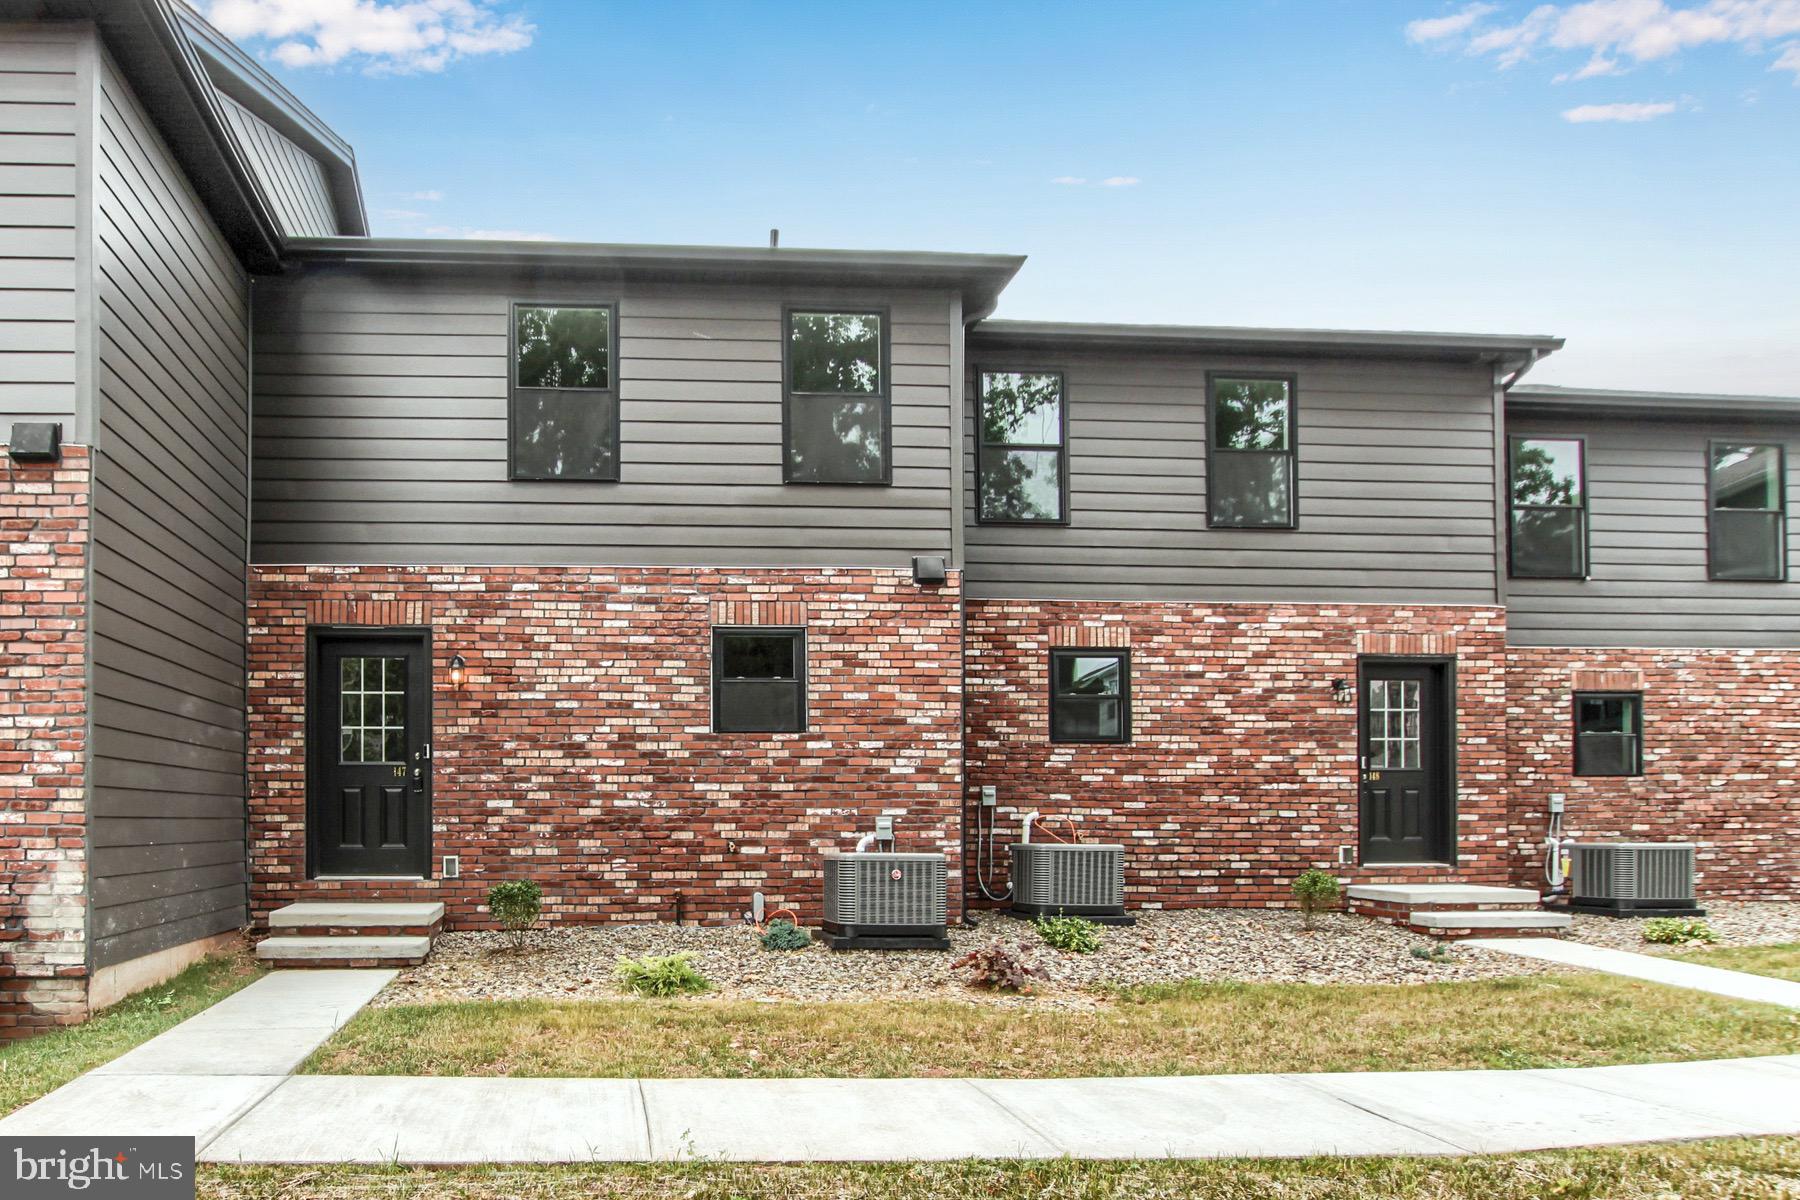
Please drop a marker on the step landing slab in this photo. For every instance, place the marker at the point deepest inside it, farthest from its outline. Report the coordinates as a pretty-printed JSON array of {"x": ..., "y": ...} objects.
[
  {"x": 356, "y": 914},
  {"x": 1537, "y": 922},
  {"x": 340, "y": 951},
  {"x": 1420, "y": 895}
]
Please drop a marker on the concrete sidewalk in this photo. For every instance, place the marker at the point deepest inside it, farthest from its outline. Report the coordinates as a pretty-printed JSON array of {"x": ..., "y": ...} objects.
[
  {"x": 224, "y": 1079},
  {"x": 202, "y": 1075},
  {"x": 1738, "y": 985}
]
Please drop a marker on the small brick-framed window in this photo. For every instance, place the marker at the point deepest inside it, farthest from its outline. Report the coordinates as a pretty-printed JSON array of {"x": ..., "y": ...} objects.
[
  {"x": 1548, "y": 497},
  {"x": 1609, "y": 733},
  {"x": 1090, "y": 695},
  {"x": 1021, "y": 439},
  {"x": 1746, "y": 527},
  {"x": 836, "y": 417},
  {"x": 759, "y": 680},
  {"x": 1250, "y": 453},
  {"x": 563, "y": 392}
]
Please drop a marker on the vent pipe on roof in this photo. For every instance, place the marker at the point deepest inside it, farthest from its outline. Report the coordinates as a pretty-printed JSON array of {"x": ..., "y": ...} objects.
[{"x": 774, "y": 239}]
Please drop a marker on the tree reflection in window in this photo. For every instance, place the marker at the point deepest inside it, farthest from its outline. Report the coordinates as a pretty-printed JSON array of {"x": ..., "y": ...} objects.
[
  {"x": 1549, "y": 509},
  {"x": 1022, "y": 450},
  {"x": 1252, "y": 460},
  {"x": 837, "y": 406},
  {"x": 564, "y": 407}
]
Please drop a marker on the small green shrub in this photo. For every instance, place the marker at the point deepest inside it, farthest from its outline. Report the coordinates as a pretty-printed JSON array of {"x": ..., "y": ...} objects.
[
  {"x": 1076, "y": 934},
  {"x": 999, "y": 966},
  {"x": 1437, "y": 952},
  {"x": 669, "y": 975},
  {"x": 1315, "y": 890},
  {"x": 1678, "y": 931},
  {"x": 516, "y": 905},
  {"x": 783, "y": 934}
]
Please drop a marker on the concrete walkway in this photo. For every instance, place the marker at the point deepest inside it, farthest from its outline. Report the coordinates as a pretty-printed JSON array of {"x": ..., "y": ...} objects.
[
  {"x": 1738, "y": 985},
  {"x": 208, "y": 1071},
  {"x": 223, "y": 1079}
]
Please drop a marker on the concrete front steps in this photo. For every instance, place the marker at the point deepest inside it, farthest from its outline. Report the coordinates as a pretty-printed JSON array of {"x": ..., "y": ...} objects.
[
  {"x": 1457, "y": 910},
  {"x": 350, "y": 934}
]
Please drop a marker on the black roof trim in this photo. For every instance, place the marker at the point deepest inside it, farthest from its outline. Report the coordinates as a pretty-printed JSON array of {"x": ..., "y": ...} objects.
[
  {"x": 244, "y": 80},
  {"x": 1549, "y": 399},
  {"x": 980, "y": 277},
  {"x": 1478, "y": 347}
]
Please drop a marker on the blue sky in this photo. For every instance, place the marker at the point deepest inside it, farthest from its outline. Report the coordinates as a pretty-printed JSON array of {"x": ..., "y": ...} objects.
[{"x": 1356, "y": 164}]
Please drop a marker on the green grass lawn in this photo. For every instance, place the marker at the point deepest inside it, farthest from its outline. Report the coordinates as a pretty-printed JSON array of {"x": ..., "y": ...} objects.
[
  {"x": 1188, "y": 1028},
  {"x": 1782, "y": 962},
  {"x": 38, "y": 1065},
  {"x": 1763, "y": 1169}
]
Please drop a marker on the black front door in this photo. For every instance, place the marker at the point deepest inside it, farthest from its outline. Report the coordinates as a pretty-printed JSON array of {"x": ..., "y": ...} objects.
[
  {"x": 1407, "y": 811},
  {"x": 369, "y": 774}
]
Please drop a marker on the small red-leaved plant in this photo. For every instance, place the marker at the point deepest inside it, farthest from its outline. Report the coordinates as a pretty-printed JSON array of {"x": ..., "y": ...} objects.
[{"x": 1001, "y": 967}]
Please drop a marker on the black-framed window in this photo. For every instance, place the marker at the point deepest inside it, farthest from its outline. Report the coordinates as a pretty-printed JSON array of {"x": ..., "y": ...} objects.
[
  {"x": 1746, "y": 487},
  {"x": 563, "y": 416},
  {"x": 835, "y": 397},
  {"x": 1250, "y": 451},
  {"x": 1020, "y": 452},
  {"x": 1549, "y": 508},
  {"x": 759, "y": 680},
  {"x": 1090, "y": 696},
  {"x": 1609, "y": 733}
]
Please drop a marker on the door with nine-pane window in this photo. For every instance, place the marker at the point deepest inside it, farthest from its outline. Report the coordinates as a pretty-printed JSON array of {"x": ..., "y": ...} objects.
[
  {"x": 1405, "y": 720},
  {"x": 369, "y": 770}
]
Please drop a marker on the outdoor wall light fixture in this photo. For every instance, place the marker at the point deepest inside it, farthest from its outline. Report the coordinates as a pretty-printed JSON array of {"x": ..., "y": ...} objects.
[
  {"x": 1341, "y": 691},
  {"x": 456, "y": 671}
]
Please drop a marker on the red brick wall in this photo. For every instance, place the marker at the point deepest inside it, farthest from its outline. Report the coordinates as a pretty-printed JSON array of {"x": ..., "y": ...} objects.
[
  {"x": 1242, "y": 769},
  {"x": 578, "y": 754},
  {"x": 1721, "y": 758},
  {"x": 43, "y": 740}
]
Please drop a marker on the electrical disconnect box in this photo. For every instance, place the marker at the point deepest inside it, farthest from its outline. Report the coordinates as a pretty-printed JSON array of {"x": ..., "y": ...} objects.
[{"x": 990, "y": 795}]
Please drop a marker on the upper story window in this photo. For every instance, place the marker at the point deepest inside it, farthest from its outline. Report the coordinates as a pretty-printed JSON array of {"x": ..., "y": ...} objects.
[
  {"x": 564, "y": 409},
  {"x": 1020, "y": 452},
  {"x": 1609, "y": 733},
  {"x": 1250, "y": 452},
  {"x": 1747, "y": 527},
  {"x": 1549, "y": 509},
  {"x": 836, "y": 398},
  {"x": 759, "y": 680},
  {"x": 1090, "y": 696}
]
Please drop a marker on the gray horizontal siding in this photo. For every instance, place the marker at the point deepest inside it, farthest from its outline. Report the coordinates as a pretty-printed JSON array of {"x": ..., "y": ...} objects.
[
  {"x": 291, "y": 179},
  {"x": 41, "y": 77},
  {"x": 381, "y": 431},
  {"x": 171, "y": 505},
  {"x": 1395, "y": 485},
  {"x": 1647, "y": 519}
]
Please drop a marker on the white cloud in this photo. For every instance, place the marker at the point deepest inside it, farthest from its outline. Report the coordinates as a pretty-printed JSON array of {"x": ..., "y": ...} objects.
[
  {"x": 1120, "y": 181},
  {"x": 1436, "y": 29},
  {"x": 1588, "y": 113},
  {"x": 403, "y": 214},
  {"x": 430, "y": 196},
  {"x": 380, "y": 35},
  {"x": 1609, "y": 32},
  {"x": 1069, "y": 180},
  {"x": 1789, "y": 61}
]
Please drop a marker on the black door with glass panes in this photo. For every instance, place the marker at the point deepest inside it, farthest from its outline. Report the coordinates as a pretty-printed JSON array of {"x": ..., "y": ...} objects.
[
  {"x": 369, "y": 769},
  {"x": 1406, "y": 790}
]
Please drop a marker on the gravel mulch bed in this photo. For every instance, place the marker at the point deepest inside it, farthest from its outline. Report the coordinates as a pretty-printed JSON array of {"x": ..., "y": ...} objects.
[
  {"x": 1738, "y": 923},
  {"x": 1260, "y": 945}
]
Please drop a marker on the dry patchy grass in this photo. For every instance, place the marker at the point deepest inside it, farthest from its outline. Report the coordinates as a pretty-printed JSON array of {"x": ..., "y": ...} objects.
[
  {"x": 1766, "y": 1169},
  {"x": 1188, "y": 1028},
  {"x": 1782, "y": 962}
]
